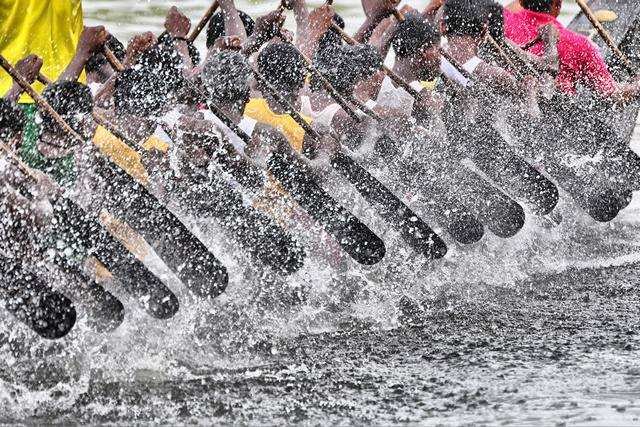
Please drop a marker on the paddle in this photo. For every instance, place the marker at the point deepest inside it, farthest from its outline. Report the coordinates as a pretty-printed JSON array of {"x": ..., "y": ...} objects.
[
  {"x": 355, "y": 238},
  {"x": 414, "y": 231},
  {"x": 491, "y": 154},
  {"x": 453, "y": 216},
  {"x": 598, "y": 198},
  {"x": 256, "y": 232},
  {"x": 73, "y": 227},
  {"x": 203, "y": 21},
  {"x": 106, "y": 312},
  {"x": 604, "y": 34},
  {"x": 195, "y": 265},
  {"x": 27, "y": 297}
]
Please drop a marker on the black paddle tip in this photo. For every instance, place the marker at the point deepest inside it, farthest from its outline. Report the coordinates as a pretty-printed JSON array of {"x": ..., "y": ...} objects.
[
  {"x": 466, "y": 229},
  {"x": 161, "y": 305},
  {"x": 107, "y": 313},
  {"x": 290, "y": 261},
  {"x": 54, "y": 316},
  {"x": 605, "y": 205},
  {"x": 547, "y": 200},
  {"x": 506, "y": 223},
  {"x": 205, "y": 281}
]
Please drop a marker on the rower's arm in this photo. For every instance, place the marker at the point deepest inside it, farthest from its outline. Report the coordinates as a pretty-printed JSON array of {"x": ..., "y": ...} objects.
[
  {"x": 432, "y": 8},
  {"x": 233, "y": 25},
  {"x": 308, "y": 34},
  {"x": 383, "y": 35},
  {"x": 301, "y": 15},
  {"x": 266, "y": 28},
  {"x": 514, "y": 6},
  {"x": 376, "y": 11},
  {"x": 29, "y": 68},
  {"x": 92, "y": 40},
  {"x": 177, "y": 26}
]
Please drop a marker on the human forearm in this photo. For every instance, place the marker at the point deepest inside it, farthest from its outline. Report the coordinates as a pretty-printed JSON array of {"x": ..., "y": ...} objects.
[
  {"x": 432, "y": 8},
  {"x": 233, "y": 25},
  {"x": 75, "y": 67},
  {"x": 13, "y": 95},
  {"x": 366, "y": 29}
]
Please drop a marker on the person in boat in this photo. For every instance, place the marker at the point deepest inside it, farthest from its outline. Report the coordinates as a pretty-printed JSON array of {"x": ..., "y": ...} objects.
[
  {"x": 227, "y": 75},
  {"x": 284, "y": 68},
  {"x": 464, "y": 24},
  {"x": 44, "y": 145},
  {"x": 98, "y": 69},
  {"x": 580, "y": 61},
  {"x": 47, "y": 28},
  {"x": 415, "y": 42}
]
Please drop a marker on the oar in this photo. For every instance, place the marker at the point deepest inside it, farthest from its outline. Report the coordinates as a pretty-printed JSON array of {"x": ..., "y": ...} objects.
[
  {"x": 601, "y": 204},
  {"x": 196, "y": 266},
  {"x": 26, "y": 296},
  {"x": 463, "y": 227},
  {"x": 500, "y": 49},
  {"x": 113, "y": 60},
  {"x": 203, "y": 21},
  {"x": 355, "y": 238},
  {"x": 106, "y": 312},
  {"x": 414, "y": 231},
  {"x": 531, "y": 43},
  {"x": 496, "y": 159},
  {"x": 604, "y": 34}
]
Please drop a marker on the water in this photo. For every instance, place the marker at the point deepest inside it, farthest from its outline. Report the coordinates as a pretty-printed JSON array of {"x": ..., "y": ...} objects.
[{"x": 538, "y": 329}]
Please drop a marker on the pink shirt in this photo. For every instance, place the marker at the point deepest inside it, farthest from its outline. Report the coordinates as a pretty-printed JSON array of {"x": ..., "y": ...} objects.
[{"x": 580, "y": 60}]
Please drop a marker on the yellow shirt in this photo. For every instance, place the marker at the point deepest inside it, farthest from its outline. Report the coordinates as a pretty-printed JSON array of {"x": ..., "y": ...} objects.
[
  {"x": 125, "y": 156},
  {"x": 47, "y": 28},
  {"x": 121, "y": 154},
  {"x": 258, "y": 109}
]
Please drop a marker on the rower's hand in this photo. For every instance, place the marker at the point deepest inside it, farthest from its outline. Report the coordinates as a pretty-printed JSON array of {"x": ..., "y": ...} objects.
[
  {"x": 320, "y": 19},
  {"x": 227, "y": 43},
  {"x": 93, "y": 39},
  {"x": 177, "y": 24},
  {"x": 377, "y": 10},
  {"x": 549, "y": 33},
  {"x": 29, "y": 67},
  {"x": 268, "y": 26},
  {"x": 137, "y": 46},
  {"x": 47, "y": 187}
]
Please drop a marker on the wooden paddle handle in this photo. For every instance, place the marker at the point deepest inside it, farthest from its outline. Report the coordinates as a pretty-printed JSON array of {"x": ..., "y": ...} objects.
[
  {"x": 39, "y": 100},
  {"x": 44, "y": 79},
  {"x": 528, "y": 45},
  {"x": 204, "y": 21},
  {"x": 467, "y": 75},
  {"x": 113, "y": 60},
  {"x": 503, "y": 54},
  {"x": 604, "y": 34}
]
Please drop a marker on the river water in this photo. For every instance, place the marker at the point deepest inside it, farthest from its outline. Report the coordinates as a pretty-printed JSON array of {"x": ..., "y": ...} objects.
[{"x": 542, "y": 328}]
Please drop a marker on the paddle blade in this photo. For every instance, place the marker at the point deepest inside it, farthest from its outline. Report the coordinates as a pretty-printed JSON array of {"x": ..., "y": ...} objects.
[{"x": 353, "y": 236}]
